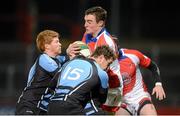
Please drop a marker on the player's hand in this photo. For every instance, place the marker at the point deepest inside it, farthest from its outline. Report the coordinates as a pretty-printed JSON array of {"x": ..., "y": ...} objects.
[
  {"x": 72, "y": 50},
  {"x": 159, "y": 91}
]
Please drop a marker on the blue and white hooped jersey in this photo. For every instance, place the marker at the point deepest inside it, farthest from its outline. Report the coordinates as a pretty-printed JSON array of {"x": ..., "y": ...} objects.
[
  {"x": 39, "y": 77},
  {"x": 80, "y": 80}
]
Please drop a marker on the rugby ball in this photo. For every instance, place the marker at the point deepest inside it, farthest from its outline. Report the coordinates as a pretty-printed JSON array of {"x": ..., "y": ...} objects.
[{"x": 84, "y": 49}]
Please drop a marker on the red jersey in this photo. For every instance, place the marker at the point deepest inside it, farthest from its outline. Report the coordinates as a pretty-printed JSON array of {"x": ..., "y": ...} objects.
[
  {"x": 103, "y": 38},
  {"x": 115, "y": 79},
  {"x": 130, "y": 62}
]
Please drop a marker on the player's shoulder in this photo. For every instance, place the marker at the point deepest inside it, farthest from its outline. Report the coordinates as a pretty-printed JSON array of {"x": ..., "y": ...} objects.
[
  {"x": 45, "y": 58},
  {"x": 131, "y": 51}
]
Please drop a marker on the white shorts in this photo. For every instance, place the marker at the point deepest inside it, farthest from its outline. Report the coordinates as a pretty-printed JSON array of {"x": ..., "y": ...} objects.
[{"x": 134, "y": 104}]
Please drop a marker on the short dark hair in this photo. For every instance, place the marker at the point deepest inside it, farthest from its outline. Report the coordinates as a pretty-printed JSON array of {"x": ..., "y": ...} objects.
[
  {"x": 104, "y": 50},
  {"x": 98, "y": 11}
]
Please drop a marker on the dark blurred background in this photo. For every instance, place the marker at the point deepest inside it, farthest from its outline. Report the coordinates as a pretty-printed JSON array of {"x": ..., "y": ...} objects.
[{"x": 149, "y": 26}]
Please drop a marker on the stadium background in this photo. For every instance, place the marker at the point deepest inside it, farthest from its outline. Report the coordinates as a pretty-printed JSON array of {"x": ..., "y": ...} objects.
[{"x": 149, "y": 26}]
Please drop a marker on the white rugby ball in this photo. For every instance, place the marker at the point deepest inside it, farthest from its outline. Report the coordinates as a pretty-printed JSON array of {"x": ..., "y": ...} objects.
[{"x": 84, "y": 49}]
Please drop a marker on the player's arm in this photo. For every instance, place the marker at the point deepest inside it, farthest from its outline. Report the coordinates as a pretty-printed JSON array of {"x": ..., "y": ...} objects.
[
  {"x": 103, "y": 90},
  {"x": 155, "y": 70},
  {"x": 158, "y": 89},
  {"x": 62, "y": 58},
  {"x": 48, "y": 64},
  {"x": 54, "y": 80}
]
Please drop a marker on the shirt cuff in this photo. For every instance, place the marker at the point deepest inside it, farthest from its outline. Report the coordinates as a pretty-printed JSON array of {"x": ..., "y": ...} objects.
[{"x": 158, "y": 83}]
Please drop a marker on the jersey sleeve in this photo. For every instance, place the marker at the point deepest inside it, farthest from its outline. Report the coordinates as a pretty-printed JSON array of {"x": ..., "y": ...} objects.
[
  {"x": 103, "y": 90},
  {"x": 103, "y": 77},
  {"x": 144, "y": 60},
  {"x": 83, "y": 38},
  {"x": 47, "y": 63},
  {"x": 106, "y": 40},
  {"x": 62, "y": 58}
]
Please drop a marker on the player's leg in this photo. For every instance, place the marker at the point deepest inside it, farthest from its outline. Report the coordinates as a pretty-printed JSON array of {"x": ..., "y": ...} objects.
[
  {"x": 148, "y": 109},
  {"x": 122, "y": 111}
]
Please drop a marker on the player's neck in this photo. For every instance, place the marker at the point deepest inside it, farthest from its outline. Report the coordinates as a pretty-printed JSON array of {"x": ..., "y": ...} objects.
[
  {"x": 51, "y": 54},
  {"x": 97, "y": 32}
]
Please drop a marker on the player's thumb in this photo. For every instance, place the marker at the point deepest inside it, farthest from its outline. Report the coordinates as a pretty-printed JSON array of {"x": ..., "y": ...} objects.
[{"x": 153, "y": 91}]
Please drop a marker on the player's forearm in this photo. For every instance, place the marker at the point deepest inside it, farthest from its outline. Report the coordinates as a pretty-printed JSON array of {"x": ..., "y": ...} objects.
[{"x": 155, "y": 71}]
